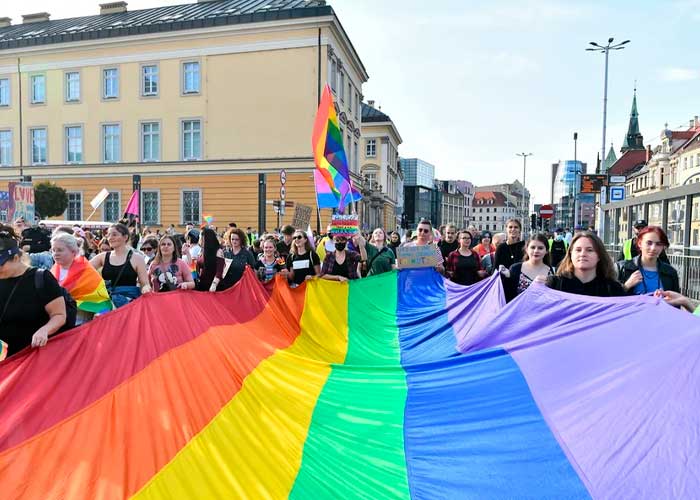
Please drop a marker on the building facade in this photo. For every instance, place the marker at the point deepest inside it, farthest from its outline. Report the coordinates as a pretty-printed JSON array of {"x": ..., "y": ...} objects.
[
  {"x": 492, "y": 209},
  {"x": 421, "y": 200},
  {"x": 204, "y": 101},
  {"x": 381, "y": 170},
  {"x": 566, "y": 179},
  {"x": 453, "y": 205},
  {"x": 513, "y": 192}
]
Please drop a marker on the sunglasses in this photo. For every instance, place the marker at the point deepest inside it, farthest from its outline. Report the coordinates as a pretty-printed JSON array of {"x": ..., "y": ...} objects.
[
  {"x": 421, "y": 230},
  {"x": 299, "y": 237},
  {"x": 147, "y": 249}
]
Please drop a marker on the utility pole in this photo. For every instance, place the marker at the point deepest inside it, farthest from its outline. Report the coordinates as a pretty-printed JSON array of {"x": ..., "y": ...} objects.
[{"x": 524, "y": 209}]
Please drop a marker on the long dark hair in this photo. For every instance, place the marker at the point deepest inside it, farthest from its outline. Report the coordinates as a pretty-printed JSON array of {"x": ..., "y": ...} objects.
[
  {"x": 542, "y": 239},
  {"x": 211, "y": 247},
  {"x": 605, "y": 267}
]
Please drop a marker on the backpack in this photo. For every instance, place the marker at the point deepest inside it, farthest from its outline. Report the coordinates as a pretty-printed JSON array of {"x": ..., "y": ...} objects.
[
  {"x": 71, "y": 305},
  {"x": 37, "y": 239}
]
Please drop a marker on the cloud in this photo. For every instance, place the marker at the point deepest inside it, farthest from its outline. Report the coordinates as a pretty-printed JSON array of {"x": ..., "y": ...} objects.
[{"x": 680, "y": 74}]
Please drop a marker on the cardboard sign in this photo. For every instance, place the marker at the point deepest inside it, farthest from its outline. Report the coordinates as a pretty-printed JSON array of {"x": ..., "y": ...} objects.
[
  {"x": 302, "y": 217},
  {"x": 21, "y": 201},
  {"x": 417, "y": 256},
  {"x": 4, "y": 206}
]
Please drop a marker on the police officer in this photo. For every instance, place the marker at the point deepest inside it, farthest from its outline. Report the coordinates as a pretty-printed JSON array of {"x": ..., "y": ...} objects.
[
  {"x": 629, "y": 247},
  {"x": 557, "y": 247}
]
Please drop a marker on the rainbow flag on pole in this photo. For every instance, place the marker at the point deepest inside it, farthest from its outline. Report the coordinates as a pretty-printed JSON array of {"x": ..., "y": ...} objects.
[
  {"x": 332, "y": 177},
  {"x": 86, "y": 286}
]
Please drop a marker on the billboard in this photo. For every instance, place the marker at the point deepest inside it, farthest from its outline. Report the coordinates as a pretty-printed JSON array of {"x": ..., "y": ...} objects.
[
  {"x": 21, "y": 201},
  {"x": 592, "y": 183}
]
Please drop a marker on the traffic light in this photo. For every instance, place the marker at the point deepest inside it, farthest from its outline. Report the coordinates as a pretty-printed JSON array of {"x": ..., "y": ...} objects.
[{"x": 533, "y": 221}]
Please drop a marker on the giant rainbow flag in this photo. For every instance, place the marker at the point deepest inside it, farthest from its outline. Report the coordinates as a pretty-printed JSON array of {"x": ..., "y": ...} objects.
[
  {"x": 401, "y": 385},
  {"x": 331, "y": 176}
]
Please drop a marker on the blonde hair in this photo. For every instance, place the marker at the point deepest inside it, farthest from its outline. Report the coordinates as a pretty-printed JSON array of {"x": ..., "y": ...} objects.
[{"x": 66, "y": 239}]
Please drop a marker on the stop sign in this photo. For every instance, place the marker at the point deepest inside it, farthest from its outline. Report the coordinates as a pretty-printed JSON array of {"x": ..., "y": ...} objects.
[{"x": 546, "y": 211}]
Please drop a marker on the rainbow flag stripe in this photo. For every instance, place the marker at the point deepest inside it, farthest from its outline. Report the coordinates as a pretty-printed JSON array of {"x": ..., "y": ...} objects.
[
  {"x": 3, "y": 350},
  {"x": 86, "y": 286},
  {"x": 332, "y": 177},
  {"x": 368, "y": 389}
]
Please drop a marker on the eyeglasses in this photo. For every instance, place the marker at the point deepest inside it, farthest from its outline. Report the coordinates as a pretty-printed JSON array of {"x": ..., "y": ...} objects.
[
  {"x": 298, "y": 237},
  {"x": 421, "y": 230}
]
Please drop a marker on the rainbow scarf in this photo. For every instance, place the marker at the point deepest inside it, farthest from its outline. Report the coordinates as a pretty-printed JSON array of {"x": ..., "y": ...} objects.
[
  {"x": 86, "y": 286},
  {"x": 331, "y": 176},
  {"x": 402, "y": 385}
]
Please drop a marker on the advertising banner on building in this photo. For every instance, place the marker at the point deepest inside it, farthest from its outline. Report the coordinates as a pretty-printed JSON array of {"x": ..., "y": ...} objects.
[
  {"x": 4, "y": 206},
  {"x": 21, "y": 201}
]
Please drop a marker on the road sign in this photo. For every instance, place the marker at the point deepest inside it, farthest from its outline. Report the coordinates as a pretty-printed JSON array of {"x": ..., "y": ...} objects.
[
  {"x": 617, "y": 193},
  {"x": 592, "y": 183},
  {"x": 283, "y": 177},
  {"x": 283, "y": 192},
  {"x": 617, "y": 179},
  {"x": 546, "y": 211}
]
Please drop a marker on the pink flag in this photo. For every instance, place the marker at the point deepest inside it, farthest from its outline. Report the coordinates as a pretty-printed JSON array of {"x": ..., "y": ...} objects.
[{"x": 132, "y": 208}]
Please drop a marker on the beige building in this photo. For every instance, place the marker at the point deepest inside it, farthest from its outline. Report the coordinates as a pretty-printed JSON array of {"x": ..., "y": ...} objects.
[
  {"x": 380, "y": 169},
  {"x": 198, "y": 99}
]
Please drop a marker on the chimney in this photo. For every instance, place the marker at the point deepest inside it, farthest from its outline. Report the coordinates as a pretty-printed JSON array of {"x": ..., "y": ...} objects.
[
  {"x": 648, "y": 153},
  {"x": 5, "y": 22},
  {"x": 39, "y": 17},
  {"x": 112, "y": 8},
  {"x": 370, "y": 104},
  {"x": 692, "y": 123},
  {"x": 697, "y": 122}
]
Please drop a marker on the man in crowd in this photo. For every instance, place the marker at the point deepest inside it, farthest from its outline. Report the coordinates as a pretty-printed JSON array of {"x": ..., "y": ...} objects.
[
  {"x": 557, "y": 247},
  {"x": 425, "y": 233},
  {"x": 448, "y": 243},
  {"x": 285, "y": 244},
  {"x": 475, "y": 236},
  {"x": 629, "y": 247}
]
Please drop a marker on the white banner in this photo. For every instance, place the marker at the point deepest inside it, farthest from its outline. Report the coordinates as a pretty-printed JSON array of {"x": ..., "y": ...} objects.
[{"x": 97, "y": 200}]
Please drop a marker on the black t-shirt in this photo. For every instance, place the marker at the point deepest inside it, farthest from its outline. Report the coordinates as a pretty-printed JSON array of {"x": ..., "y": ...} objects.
[
  {"x": 25, "y": 312},
  {"x": 467, "y": 270},
  {"x": 303, "y": 265},
  {"x": 235, "y": 271},
  {"x": 598, "y": 287},
  {"x": 508, "y": 255},
  {"x": 283, "y": 249},
  {"x": 447, "y": 248}
]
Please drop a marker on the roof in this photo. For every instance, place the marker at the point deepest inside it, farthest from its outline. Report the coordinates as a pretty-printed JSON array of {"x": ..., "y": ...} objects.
[
  {"x": 159, "y": 19},
  {"x": 494, "y": 197},
  {"x": 628, "y": 162},
  {"x": 371, "y": 114}
]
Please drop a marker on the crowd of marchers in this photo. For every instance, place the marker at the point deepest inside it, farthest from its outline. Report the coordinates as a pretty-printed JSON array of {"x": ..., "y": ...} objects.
[{"x": 122, "y": 262}]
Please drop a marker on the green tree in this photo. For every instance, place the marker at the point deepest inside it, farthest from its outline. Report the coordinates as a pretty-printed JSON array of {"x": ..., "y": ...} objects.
[{"x": 50, "y": 200}]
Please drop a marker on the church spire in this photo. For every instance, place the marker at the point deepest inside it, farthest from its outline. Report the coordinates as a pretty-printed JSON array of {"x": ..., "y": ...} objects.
[{"x": 633, "y": 139}]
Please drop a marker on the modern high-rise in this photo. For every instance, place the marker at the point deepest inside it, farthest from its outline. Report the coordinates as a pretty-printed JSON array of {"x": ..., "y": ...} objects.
[
  {"x": 565, "y": 175},
  {"x": 420, "y": 200}
]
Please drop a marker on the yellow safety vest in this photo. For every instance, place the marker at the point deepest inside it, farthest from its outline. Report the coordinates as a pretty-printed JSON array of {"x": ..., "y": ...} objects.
[{"x": 627, "y": 249}]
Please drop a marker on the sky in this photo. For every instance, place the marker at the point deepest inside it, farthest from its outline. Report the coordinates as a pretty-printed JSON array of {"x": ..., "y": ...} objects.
[{"x": 469, "y": 84}]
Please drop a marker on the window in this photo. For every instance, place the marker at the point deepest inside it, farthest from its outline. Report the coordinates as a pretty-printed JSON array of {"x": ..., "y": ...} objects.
[
  {"x": 150, "y": 207},
  {"x": 4, "y": 91},
  {"x": 75, "y": 206},
  {"x": 110, "y": 83},
  {"x": 150, "y": 141},
  {"x": 38, "y": 149},
  {"x": 350, "y": 96},
  {"x": 72, "y": 86},
  {"x": 111, "y": 210},
  {"x": 111, "y": 143},
  {"x": 149, "y": 84},
  {"x": 334, "y": 72},
  {"x": 74, "y": 144},
  {"x": 191, "y": 140},
  {"x": 355, "y": 150},
  {"x": 190, "y": 78},
  {"x": 38, "y": 89},
  {"x": 191, "y": 207},
  {"x": 5, "y": 148},
  {"x": 371, "y": 148},
  {"x": 341, "y": 84}
]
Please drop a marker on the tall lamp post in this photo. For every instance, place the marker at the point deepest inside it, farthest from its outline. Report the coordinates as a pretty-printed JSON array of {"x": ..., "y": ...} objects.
[
  {"x": 576, "y": 181},
  {"x": 605, "y": 49},
  {"x": 524, "y": 155}
]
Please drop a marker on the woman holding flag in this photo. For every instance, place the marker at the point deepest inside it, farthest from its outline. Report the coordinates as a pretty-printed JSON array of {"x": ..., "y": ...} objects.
[{"x": 74, "y": 273}]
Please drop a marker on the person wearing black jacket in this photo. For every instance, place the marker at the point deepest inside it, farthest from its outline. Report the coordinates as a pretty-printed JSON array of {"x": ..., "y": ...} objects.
[
  {"x": 647, "y": 273},
  {"x": 587, "y": 269},
  {"x": 630, "y": 249},
  {"x": 512, "y": 250}
]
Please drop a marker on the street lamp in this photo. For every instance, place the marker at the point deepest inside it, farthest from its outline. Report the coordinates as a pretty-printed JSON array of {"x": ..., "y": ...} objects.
[
  {"x": 524, "y": 155},
  {"x": 606, "y": 50},
  {"x": 576, "y": 181}
]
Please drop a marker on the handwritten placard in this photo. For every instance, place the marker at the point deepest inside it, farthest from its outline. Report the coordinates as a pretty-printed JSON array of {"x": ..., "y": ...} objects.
[{"x": 416, "y": 256}]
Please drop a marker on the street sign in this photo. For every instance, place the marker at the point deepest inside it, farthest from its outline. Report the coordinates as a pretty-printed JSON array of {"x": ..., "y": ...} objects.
[
  {"x": 283, "y": 192},
  {"x": 617, "y": 179},
  {"x": 283, "y": 177},
  {"x": 617, "y": 193},
  {"x": 592, "y": 183},
  {"x": 546, "y": 211}
]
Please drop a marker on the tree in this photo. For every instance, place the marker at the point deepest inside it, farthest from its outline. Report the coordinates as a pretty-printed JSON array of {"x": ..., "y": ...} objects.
[{"x": 49, "y": 199}]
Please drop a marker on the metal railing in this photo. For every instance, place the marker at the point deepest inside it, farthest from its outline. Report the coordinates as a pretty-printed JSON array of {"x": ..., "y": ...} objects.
[{"x": 687, "y": 266}]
